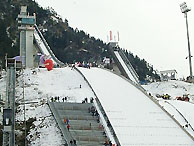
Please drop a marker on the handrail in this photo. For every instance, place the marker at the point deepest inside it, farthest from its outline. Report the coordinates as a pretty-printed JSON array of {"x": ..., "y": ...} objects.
[
  {"x": 181, "y": 115},
  {"x": 108, "y": 122}
]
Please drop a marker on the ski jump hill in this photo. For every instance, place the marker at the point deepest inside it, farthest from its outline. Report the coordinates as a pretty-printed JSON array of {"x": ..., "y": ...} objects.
[
  {"x": 128, "y": 116},
  {"x": 136, "y": 118}
]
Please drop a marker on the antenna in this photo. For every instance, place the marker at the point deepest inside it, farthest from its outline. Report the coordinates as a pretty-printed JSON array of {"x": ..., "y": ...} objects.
[
  {"x": 110, "y": 35},
  {"x": 114, "y": 38},
  {"x": 107, "y": 38},
  {"x": 118, "y": 36}
]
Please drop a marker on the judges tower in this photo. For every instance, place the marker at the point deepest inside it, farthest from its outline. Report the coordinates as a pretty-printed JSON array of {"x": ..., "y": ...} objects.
[{"x": 26, "y": 28}]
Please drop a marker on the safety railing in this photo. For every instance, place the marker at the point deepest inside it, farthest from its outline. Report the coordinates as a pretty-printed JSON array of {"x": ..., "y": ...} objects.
[
  {"x": 79, "y": 117},
  {"x": 181, "y": 115}
]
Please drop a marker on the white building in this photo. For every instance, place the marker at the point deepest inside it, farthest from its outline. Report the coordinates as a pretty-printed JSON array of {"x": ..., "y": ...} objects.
[{"x": 26, "y": 27}]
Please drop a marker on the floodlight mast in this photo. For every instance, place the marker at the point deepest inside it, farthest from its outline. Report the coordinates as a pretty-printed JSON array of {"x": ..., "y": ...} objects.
[{"x": 185, "y": 9}]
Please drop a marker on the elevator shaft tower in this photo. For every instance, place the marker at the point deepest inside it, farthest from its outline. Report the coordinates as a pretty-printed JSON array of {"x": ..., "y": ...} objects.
[{"x": 26, "y": 28}]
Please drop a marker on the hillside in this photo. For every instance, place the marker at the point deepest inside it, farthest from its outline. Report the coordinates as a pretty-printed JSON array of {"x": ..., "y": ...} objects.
[
  {"x": 68, "y": 44},
  {"x": 171, "y": 87},
  {"x": 180, "y": 110}
]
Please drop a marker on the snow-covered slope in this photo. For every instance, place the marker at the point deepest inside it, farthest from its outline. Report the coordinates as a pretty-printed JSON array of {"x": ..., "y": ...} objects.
[
  {"x": 41, "y": 87},
  {"x": 173, "y": 88},
  {"x": 136, "y": 119},
  {"x": 181, "y": 110}
]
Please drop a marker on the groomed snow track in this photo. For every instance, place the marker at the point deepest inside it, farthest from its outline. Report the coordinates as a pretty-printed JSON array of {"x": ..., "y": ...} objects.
[
  {"x": 43, "y": 46},
  {"x": 123, "y": 63},
  {"x": 128, "y": 68},
  {"x": 137, "y": 119}
]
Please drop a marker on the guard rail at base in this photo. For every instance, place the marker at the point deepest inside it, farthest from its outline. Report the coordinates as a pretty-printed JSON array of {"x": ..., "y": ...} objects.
[
  {"x": 138, "y": 86},
  {"x": 180, "y": 114},
  {"x": 102, "y": 110}
]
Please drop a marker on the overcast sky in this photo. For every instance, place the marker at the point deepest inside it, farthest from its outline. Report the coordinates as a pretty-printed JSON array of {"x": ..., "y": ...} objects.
[{"x": 152, "y": 29}]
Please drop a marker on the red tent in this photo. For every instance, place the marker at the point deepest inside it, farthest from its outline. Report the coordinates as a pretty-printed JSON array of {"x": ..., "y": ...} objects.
[{"x": 49, "y": 64}]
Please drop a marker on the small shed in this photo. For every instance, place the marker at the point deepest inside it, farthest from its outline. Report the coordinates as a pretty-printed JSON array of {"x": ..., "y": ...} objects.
[{"x": 168, "y": 75}]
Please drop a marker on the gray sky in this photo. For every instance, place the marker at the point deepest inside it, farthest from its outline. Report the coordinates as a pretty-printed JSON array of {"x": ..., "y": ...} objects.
[{"x": 152, "y": 29}]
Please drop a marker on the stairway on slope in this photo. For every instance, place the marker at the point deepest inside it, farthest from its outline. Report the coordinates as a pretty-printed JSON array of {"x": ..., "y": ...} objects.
[{"x": 84, "y": 127}]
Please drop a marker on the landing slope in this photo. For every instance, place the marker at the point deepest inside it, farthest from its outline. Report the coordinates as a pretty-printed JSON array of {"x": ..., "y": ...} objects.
[
  {"x": 136, "y": 119},
  {"x": 182, "y": 110}
]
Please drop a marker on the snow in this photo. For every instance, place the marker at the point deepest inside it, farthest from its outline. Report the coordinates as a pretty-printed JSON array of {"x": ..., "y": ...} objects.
[
  {"x": 45, "y": 131},
  {"x": 181, "y": 110},
  {"x": 50, "y": 134},
  {"x": 38, "y": 89},
  {"x": 135, "y": 118},
  {"x": 173, "y": 88},
  {"x": 41, "y": 44}
]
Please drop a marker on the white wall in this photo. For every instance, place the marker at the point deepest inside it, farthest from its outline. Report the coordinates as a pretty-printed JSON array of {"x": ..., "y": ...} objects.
[
  {"x": 30, "y": 51},
  {"x": 27, "y": 49}
]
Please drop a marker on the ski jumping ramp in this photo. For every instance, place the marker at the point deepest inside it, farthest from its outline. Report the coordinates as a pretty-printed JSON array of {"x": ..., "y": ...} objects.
[
  {"x": 128, "y": 68},
  {"x": 136, "y": 119},
  {"x": 44, "y": 47}
]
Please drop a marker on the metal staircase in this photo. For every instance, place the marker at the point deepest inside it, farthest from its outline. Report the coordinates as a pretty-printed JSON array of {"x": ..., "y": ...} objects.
[{"x": 84, "y": 127}]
